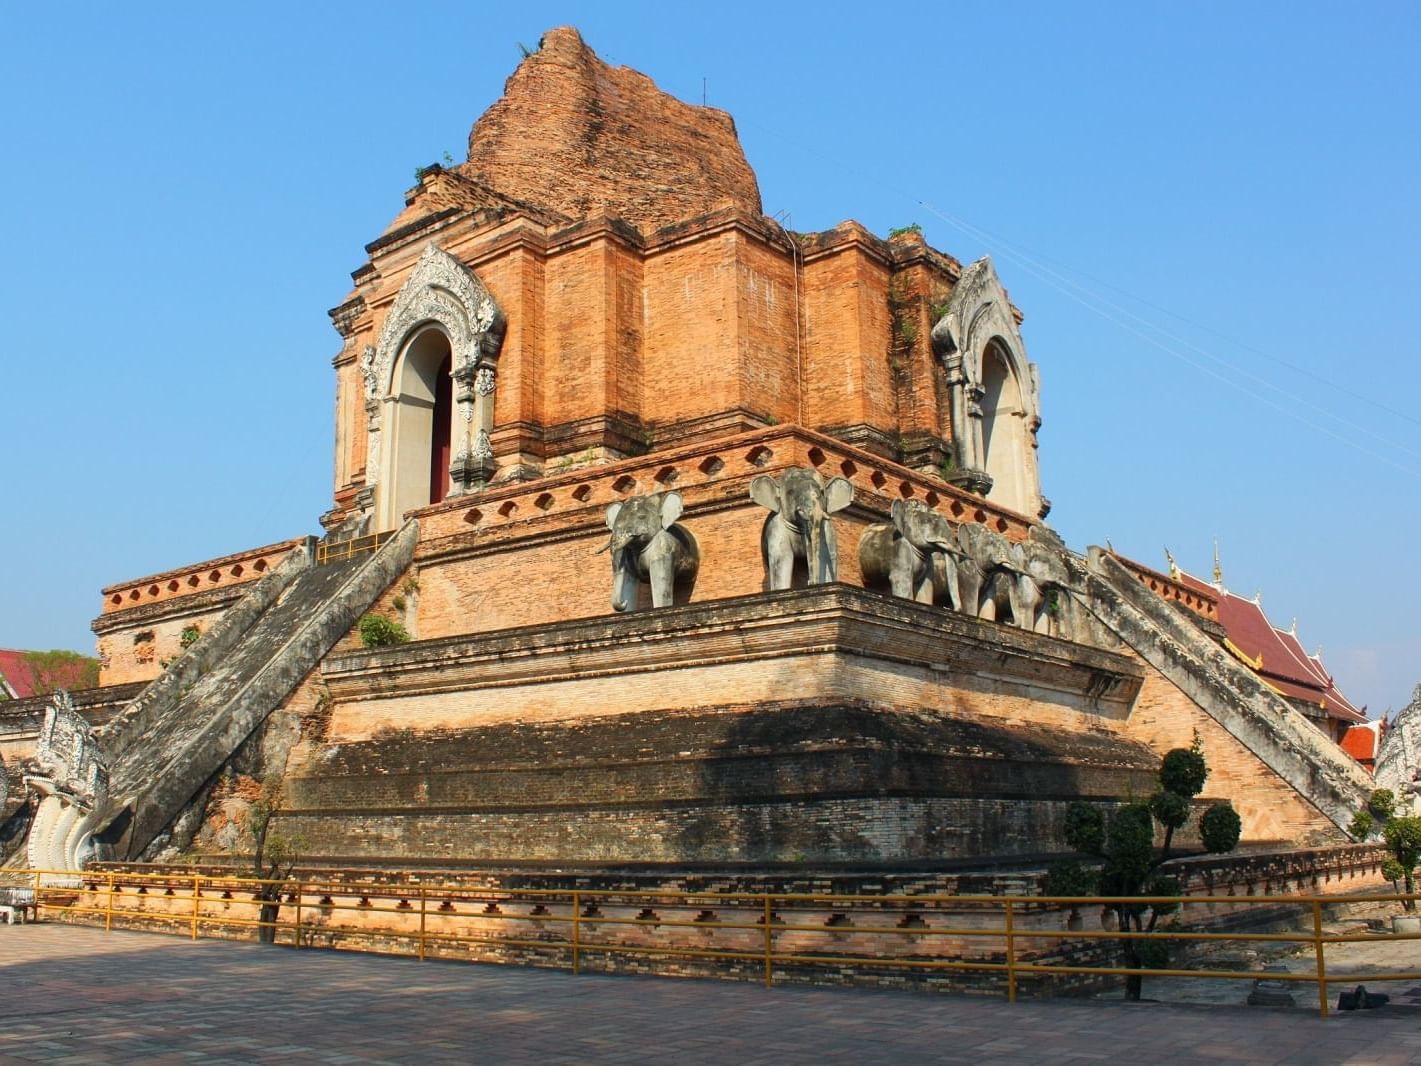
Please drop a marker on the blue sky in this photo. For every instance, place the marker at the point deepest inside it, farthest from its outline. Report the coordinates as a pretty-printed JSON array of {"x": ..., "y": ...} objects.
[{"x": 1208, "y": 213}]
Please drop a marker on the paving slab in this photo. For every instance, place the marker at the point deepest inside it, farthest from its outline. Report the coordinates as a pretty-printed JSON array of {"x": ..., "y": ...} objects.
[{"x": 78, "y": 995}]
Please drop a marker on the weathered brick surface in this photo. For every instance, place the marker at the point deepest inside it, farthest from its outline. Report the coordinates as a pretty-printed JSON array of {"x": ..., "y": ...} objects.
[
  {"x": 1165, "y": 718},
  {"x": 143, "y": 620},
  {"x": 577, "y": 136}
]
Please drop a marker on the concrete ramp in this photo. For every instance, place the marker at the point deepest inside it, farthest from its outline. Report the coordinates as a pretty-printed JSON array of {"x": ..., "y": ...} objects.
[
  {"x": 166, "y": 745},
  {"x": 1232, "y": 695}
]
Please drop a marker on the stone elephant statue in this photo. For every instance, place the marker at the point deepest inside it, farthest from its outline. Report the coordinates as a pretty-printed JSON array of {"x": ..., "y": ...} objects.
[
  {"x": 993, "y": 578},
  {"x": 648, "y": 544},
  {"x": 916, "y": 554},
  {"x": 1045, "y": 568},
  {"x": 800, "y": 526}
]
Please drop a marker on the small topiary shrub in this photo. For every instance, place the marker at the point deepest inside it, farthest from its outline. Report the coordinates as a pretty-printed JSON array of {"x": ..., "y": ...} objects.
[
  {"x": 1126, "y": 862},
  {"x": 377, "y": 631}
]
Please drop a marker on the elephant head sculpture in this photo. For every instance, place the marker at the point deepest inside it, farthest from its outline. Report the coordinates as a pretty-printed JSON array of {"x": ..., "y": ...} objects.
[
  {"x": 648, "y": 544},
  {"x": 800, "y": 526},
  {"x": 915, "y": 554},
  {"x": 1046, "y": 568}
]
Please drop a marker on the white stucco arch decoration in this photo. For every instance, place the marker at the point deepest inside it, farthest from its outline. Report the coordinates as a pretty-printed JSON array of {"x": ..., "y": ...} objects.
[
  {"x": 441, "y": 292},
  {"x": 977, "y": 338}
]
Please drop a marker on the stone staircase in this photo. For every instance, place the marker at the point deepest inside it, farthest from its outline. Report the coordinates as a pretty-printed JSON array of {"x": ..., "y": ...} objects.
[
  {"x": 1232, "y": 695},
  {"x": 170, "y": 741}
]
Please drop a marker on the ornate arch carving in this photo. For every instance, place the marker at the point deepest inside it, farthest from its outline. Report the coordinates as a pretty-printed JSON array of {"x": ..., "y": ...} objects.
[
  {"x": 978, "y": 318},
  {"x": 441, "y": 291}
]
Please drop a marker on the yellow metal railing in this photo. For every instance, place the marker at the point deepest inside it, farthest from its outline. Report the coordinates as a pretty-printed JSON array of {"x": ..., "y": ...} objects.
[
  {"x": 567, "y": 921},
  {"x": 348, "y": 549}
]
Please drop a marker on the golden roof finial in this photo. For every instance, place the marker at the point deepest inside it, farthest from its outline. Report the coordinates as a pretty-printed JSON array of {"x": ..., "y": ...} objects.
[
  {"x": 1218, "y": 570},
  {"x": 1173, "y": 566}
]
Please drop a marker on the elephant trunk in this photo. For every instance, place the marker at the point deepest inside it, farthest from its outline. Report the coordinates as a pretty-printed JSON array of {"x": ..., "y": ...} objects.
[
  {"x": 624, "y": 584},
  {"x": 811, "y": 523}
]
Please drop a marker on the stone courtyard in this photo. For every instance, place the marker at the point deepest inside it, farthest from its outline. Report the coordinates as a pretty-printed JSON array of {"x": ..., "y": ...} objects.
[{"x": 79, "y": 995}]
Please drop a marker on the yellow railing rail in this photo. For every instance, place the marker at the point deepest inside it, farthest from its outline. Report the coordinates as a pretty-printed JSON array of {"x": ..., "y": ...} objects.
[
  {"x": 566, "y": 922},
  {"x": 348, "y": 549}
]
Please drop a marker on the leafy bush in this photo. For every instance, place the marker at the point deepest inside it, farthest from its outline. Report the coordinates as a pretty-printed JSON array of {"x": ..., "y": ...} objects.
[
  {"x": 377, "y": 631},
  {"x": 1382, "y": 803},
  {"x": 1401, "y": 835},
  {"x": 1220, "y": 828}
]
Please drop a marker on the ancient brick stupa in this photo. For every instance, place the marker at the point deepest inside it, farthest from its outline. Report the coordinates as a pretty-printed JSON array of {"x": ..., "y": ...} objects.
[{"x": 714, "y": 543}]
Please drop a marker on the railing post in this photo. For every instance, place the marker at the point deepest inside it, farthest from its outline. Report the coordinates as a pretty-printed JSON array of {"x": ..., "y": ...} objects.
[
  {"x": 299, "y": 894},
  {"x": 423, "y": 910},
  {"x": 1318, "y": 949},
  {"x": 769, "y": 943},
  {"x": 108, "y": 907},
  {"x": 37, "y": 887},
  {"x": 1011, "y": 954},
  {"x": 576, "y": 931},
  {"x": 196, "y": 901}
]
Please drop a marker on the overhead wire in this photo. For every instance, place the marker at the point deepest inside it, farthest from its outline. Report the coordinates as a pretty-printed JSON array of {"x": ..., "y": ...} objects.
[
  {"x": 1083, "y": 295},
  {"x": 1029, "y": 263}
]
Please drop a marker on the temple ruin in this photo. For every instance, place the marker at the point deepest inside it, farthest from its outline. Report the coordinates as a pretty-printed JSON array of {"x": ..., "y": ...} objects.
[{"x": 716, "y": 543}]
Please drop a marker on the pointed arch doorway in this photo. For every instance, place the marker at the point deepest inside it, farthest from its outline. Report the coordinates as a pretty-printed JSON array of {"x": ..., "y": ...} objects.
[{"x": 421, "y": 423}]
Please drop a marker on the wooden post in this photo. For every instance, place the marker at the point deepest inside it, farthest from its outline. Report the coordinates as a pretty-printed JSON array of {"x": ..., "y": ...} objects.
[
  {"x": 1318, "y": 950},
  {"x": 769, "y": 942},
  {"x": 423, "y": 905},
  {"x": 108, "y": 907},
  {"x": 576, "y": 931},
  {"x": 196, "y": 902},
  {"x": 299, "y": 893},
  {"x": 1011, "y": 955}
]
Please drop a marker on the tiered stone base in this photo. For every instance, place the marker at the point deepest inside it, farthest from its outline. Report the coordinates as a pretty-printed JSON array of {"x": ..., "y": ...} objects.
[{"x": 867, "y": 728}]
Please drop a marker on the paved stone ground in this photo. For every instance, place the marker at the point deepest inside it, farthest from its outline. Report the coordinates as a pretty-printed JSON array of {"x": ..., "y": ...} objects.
[
  {"x": 1384, "y": 954},
  {"x": 75, "y": 995}
]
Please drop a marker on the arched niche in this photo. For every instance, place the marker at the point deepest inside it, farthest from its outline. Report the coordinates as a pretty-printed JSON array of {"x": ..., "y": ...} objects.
[
  {"x": 420, "y": 415},
  {"x": 1006, "y": 441},
  {"x": 993, "y": 392},
  {"x": 442, "y": 316}
]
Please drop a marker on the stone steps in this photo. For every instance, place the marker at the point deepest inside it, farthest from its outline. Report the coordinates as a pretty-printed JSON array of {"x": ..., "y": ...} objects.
[
  {"x": 1232, "y": 695},
  {"x": 169, "y": 749}
]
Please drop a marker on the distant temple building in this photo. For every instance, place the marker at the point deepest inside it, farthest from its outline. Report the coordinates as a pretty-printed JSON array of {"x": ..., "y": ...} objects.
[{"x": 662, "y": 534}]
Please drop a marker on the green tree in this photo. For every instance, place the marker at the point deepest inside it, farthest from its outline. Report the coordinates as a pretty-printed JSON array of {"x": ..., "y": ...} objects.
[
  {"x": 274, "y": 856},
  {"x": 1127, "y": 862},
  {"x": 1401, "y": 834}
]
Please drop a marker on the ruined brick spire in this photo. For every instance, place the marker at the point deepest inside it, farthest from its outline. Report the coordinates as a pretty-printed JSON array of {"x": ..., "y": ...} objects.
[{"x": 579, "y": 137}]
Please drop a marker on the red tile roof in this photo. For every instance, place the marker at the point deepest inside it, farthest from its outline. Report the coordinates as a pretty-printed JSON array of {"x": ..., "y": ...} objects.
[
  {"x": 1361, "y": 742},
  {"x": 1276, "y": 656},
  {"x": 15, "y": 672}
]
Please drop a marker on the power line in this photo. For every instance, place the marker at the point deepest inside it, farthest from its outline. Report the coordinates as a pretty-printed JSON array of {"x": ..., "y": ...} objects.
[
  {"x": 1027, "y": 263},
  {"x": 1042, "y": 272}
]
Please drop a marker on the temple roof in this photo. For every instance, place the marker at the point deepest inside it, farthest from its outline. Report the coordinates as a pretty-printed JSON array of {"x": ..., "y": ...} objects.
[
  {"x": 1274, "y": 653},
  {"x": 17, "y": 677},
  {"x": 1362, "y": 741}
]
